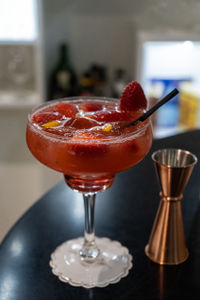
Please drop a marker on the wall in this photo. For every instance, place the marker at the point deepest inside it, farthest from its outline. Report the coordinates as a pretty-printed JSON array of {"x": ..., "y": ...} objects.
[
  {"x": 107, "y": 40},
  {"x": 22, "y": 179}
]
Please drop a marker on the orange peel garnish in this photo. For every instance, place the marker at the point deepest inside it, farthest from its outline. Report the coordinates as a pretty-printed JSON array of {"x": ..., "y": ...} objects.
[
  {"x": 107, "y": 127},
  {"x": 79, "y": 116},
  {"x": 51, "y": 124},
  {"x": 89, "y": 116}
]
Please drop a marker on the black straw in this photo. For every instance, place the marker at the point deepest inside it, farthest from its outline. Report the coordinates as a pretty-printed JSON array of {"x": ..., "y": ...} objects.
[{"x": 147, "y": 114}]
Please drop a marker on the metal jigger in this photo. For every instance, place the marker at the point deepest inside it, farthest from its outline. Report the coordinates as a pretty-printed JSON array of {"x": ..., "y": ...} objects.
[{"x": 167, "y": 243}]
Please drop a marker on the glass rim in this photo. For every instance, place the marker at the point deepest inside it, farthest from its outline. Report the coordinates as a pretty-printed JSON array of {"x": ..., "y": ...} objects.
[{"x": 111, "y": 139}]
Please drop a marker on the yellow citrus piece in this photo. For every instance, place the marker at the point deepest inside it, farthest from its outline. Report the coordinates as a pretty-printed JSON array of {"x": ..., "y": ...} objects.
[
  {"x": 107, "y": 127},
  {"x": 79, "y": 116},
  {"x": 51, "y": 124},
  {"x": 89, "y": 116}
]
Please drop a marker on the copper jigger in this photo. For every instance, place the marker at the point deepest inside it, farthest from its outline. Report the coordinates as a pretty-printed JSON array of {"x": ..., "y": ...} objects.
[{"x": 167, "y": 242}]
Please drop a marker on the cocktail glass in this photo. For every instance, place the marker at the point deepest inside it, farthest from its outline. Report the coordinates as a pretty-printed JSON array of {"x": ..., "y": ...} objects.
[{"x": 89, "y": 261}]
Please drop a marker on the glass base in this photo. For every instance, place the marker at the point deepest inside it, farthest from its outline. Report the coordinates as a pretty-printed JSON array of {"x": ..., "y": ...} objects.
[{"x": 113, "y": 263}]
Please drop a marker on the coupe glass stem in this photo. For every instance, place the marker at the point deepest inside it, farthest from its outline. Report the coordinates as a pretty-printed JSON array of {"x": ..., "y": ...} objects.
[{"x": 89, "y": 251}]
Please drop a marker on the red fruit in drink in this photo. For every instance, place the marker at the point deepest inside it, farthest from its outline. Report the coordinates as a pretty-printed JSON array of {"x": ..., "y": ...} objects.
[
  {"x": 83, "y": 123},
  {"x": 87, "y": 144},
  {"x": 91, "y": 106},
  {"x": 112, "y": 116},
  {"x": 66, "y": 109},
  {"x": 133, "y": 146},
  {"x": 45, "y": 117},
  {"x": 133, "y": 97}
]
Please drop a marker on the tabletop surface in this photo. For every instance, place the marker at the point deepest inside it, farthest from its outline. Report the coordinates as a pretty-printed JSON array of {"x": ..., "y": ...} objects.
[{"x": 125, "y": 213}]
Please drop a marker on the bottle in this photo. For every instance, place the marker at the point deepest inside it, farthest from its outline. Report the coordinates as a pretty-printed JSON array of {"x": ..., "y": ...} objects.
[
  {"x": 86, "y": 85},
  {"x": 99, "y": 79},
  {"x": 189, "y": 105},
  {"x": 63, "y": 81}
]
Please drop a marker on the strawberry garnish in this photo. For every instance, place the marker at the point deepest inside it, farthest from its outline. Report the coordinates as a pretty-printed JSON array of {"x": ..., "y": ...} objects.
[
  {"x": 66, "y": 109},
  {"x": 133, "y": 97},
  {"x": 87, "y": 144},
  {"x": 45, "y": 117},
  {"x": 91, "y": 106}
]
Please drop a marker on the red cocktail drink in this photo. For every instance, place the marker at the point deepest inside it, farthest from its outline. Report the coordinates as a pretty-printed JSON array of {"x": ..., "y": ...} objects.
[{"x": 87, "y": 141}]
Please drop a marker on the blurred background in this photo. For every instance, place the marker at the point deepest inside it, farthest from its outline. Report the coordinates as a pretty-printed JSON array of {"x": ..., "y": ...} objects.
[{"x": 51, "y": 49}]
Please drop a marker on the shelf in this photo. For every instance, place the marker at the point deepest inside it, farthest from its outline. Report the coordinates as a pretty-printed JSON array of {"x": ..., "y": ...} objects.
[
  {"x": 12, "y": 100},
  {"x": 18, "y": 42}
]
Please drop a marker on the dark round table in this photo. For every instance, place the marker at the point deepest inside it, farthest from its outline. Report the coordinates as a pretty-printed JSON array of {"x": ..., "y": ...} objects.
[{"x": 125, "y": 213}]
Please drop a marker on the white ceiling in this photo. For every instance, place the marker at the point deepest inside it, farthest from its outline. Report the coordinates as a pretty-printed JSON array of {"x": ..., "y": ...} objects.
[{"x": 145, "y": 14}]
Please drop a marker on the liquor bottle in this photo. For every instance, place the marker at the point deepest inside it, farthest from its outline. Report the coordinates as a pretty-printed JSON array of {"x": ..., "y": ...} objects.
[
  {"x": 63, "y": 81},
  {"x": 86, "y": 85},
  {"x": 99, "y": 79}
]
